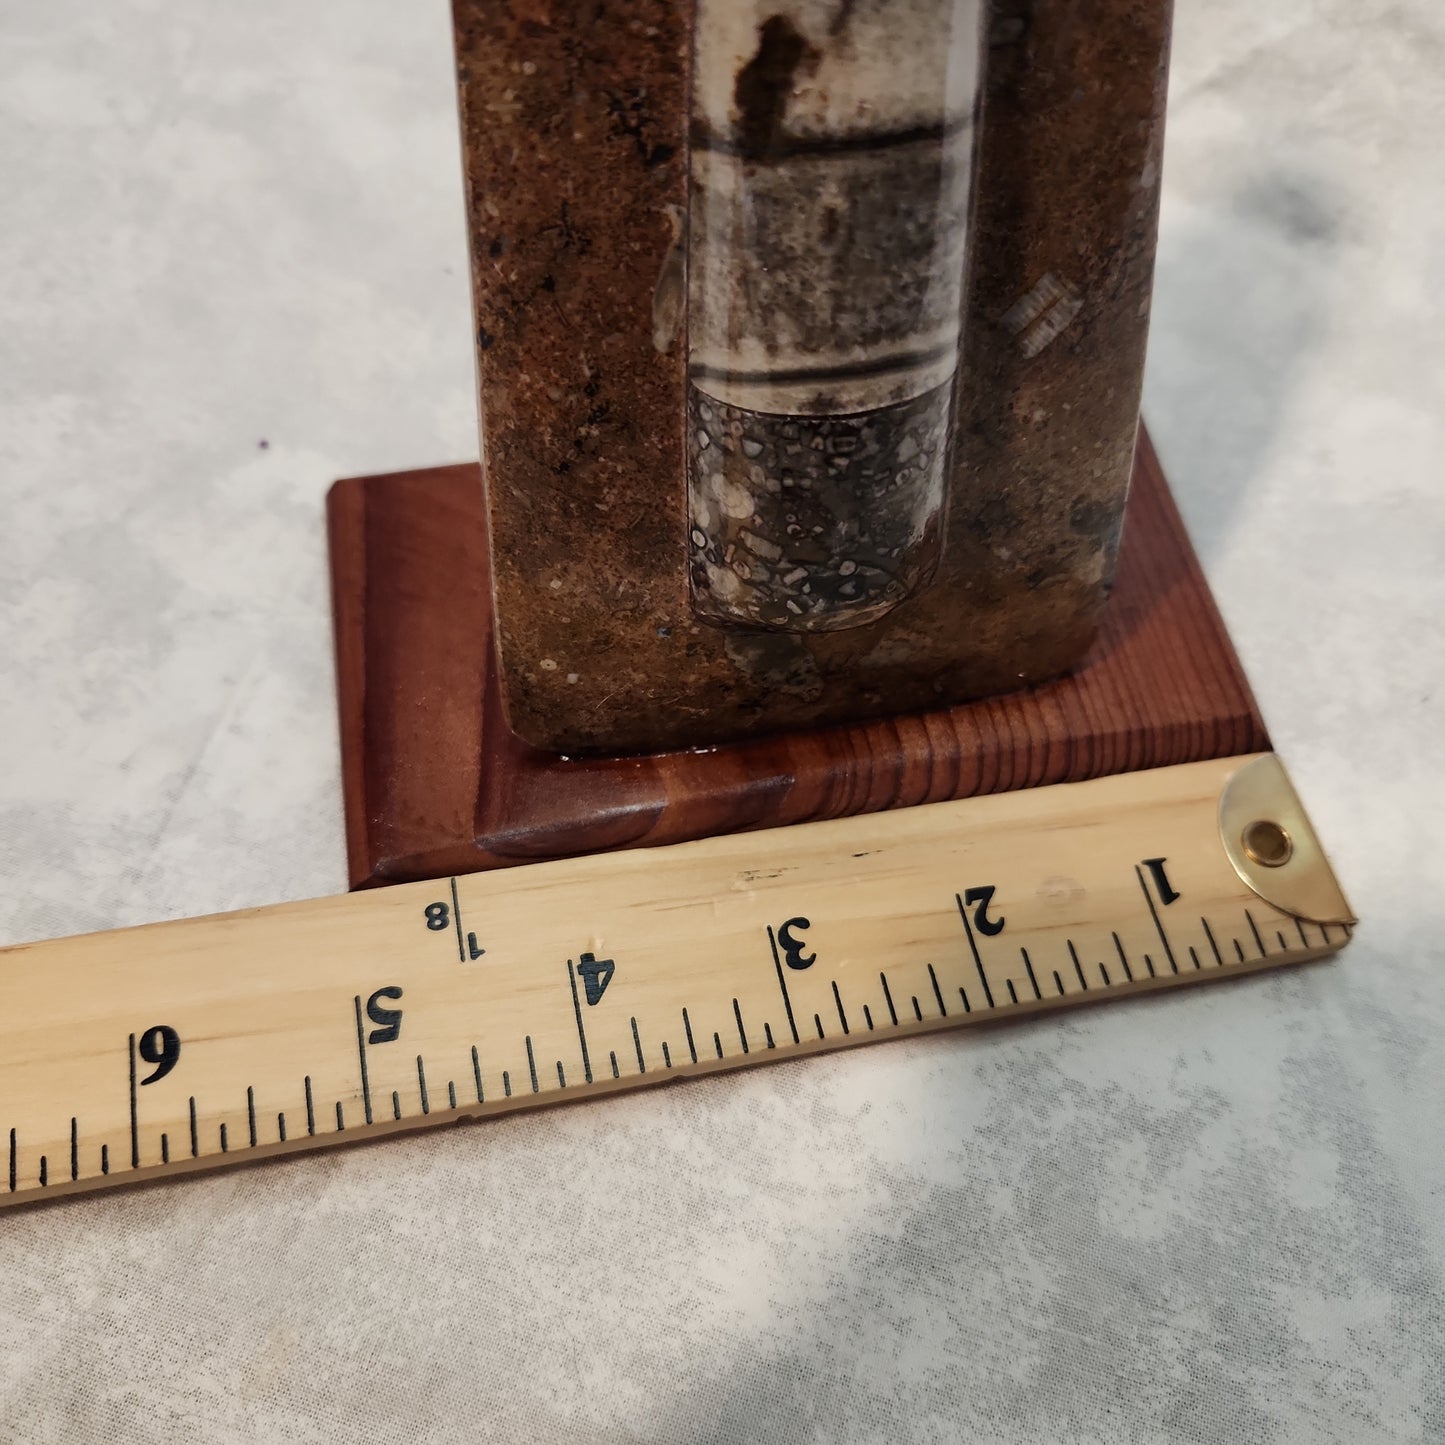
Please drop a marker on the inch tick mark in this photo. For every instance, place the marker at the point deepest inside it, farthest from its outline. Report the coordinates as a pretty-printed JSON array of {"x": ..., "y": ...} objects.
[
  {"x": 973, "y": 948},
  {"x": 782, "y": 983}
]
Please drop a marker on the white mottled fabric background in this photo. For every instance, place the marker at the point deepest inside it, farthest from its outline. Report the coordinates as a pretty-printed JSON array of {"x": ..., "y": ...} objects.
[{"x": 1212, "y": 1216}]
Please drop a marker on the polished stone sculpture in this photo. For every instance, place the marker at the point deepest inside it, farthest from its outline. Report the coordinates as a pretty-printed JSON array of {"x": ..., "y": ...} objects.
[{"x": 810, "y": 339}]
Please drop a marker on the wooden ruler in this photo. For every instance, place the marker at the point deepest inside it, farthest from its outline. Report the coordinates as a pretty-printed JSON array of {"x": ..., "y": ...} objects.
[{"x": 156, "y": 1050}]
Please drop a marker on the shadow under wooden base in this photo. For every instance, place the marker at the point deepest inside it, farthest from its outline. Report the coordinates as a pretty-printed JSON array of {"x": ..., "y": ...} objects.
[{"x": 436, "y": 784}]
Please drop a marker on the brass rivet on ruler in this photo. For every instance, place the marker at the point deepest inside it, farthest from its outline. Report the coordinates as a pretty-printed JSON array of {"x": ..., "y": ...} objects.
[{"x": 1267, "y": 844}]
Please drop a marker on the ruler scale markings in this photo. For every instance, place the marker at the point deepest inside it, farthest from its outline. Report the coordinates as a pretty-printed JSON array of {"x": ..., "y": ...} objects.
[
  {"x": 1154, "y": 914},
  {"x": 888, "y": 999},
  {"x": 1209, "y": 934},
  {"x": 134, "y": 1126},
  {"x": 581, "y": 1032},
  {"x": 1124, "y": 958},
  {"x": 742, "y": 1035},
  {"x": 978, "y": 962},
  {"x": 782, "y": 984},
  {"x": 361, "y": 1053},
  {"x": 1254, "y": 929},
  {"x": 1072, "y": 836},
  {"x": 457, "y": 918},
  {"x": 1028, "y": 964},
  {"x": 937, "y": 993}
]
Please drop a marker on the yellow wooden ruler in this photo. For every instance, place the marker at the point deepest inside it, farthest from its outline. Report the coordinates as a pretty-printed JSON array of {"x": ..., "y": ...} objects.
[{"x": 151, "y": 1051}]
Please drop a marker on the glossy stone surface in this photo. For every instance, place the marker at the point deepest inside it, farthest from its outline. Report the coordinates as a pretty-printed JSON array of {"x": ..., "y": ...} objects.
[{"x": 616, "y": 628}]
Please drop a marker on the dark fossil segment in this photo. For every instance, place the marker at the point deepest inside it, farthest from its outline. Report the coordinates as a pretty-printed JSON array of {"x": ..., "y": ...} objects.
[{"x": 813, "y": 523}]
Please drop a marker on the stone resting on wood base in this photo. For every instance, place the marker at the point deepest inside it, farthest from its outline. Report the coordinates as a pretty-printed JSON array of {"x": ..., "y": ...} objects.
[{"x": 810, "y": 338}]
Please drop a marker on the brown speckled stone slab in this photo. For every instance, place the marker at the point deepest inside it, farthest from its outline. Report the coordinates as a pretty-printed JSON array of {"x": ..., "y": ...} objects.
[{"x": 576, "y": 144}]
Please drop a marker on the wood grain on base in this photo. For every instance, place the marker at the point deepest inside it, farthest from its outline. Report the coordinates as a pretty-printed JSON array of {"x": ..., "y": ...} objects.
[{"x": 436, "y": 784}]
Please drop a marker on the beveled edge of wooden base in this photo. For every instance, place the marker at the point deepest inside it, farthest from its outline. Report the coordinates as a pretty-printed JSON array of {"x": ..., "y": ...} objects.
[{"x": 436, "y": 784}]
